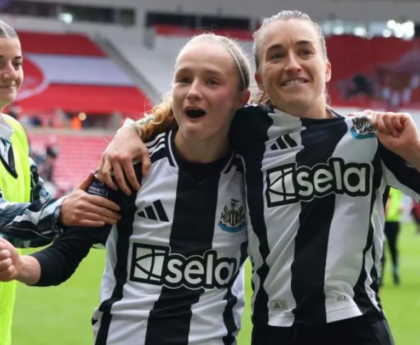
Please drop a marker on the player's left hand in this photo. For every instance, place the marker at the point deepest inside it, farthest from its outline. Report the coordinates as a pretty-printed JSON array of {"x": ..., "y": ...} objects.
[
  {"x": 397, "y": 132},
  {"x": 82, "y": 209}
]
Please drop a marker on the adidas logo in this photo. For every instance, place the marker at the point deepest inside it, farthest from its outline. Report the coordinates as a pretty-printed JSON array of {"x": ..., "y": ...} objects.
[
  {"x": 154, "y": 212},
  {"x": 283, "y": 143},
  {"x": 279, "y": 305}
]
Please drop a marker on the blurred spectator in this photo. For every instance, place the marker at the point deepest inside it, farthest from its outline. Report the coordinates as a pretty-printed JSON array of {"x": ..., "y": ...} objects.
[
  {"x": 46, "y": 160},
  {"x": 393, "y": 215},
  {"x": 76, "y": 123},
  {"x": 415, "y": 212}
]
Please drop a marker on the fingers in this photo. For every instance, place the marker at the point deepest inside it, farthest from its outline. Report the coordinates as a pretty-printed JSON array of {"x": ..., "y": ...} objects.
[
  {"x": 5, "y": 264},
  {"x": 8, "y": 275},
  {"x": 101, "y": 202},
  {"x": 5, "y": 254},
  {"x": 377, "y": 122},
  {"x": 93, "y": 215},
  {"x": 145, "y": 160},
  {"x": 87, "y": 181},
  {"x": 131, "y": 175},
  {"x": 80, "y": 206},
  {"x": 121, "y": 180},
  {"x": 5, "y": 245},
  {"x": 397, "y": 123},
  {"x": 92, "y": 224},
  {"x": 91, "y": 219},
  {"x": 96, "y": 213},
  {"x": 105, "y": 175},
  {"x": 8, "y": 269},
  {"x": 101, "y": 163},
  {"x": 124, "y": 174},
  {"x": 389, "y": 124}
]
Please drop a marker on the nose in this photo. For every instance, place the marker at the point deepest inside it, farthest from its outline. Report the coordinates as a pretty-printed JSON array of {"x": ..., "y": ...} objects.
[
  {"x": 9, "y": 72},
  {"x": 292, "y": 63},
  {"x": 194, "y": 92}
]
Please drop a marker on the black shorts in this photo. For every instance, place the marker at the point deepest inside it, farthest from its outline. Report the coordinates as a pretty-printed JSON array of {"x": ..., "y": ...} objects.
[{"x": 346, "y": 332}]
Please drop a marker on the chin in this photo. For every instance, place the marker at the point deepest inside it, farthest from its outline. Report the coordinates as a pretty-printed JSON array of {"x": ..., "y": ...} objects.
[
  {"x": 193, "y": 134},
  {"x": 7, "y": 99}
]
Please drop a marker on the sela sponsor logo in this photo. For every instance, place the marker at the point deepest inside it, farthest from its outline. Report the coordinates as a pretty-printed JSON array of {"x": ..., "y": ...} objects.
[
  {"x": 158, "y": 266},
  {"x": 362, "y": 128},
  {"x": 288, "y": 184}
]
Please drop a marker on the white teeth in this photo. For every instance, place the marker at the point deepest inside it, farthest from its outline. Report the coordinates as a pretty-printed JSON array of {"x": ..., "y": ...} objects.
[{"x": 294, "y": 82}]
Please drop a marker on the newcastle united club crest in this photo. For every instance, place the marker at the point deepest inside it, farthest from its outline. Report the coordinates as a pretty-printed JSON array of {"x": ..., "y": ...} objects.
[
  {"x": 233, "y": 217},
  {"x": 362, "y": 128}
]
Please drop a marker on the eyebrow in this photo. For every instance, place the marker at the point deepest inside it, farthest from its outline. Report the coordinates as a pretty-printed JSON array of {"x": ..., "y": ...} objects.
[
  {"x": 298, "y": 43},
  {"x": 15, "y": 58},
  {"x": 207, "y": 71}
]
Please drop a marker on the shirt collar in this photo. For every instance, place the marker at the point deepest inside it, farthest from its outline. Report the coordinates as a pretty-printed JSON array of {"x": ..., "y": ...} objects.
[{"x": 6, "y": 131}]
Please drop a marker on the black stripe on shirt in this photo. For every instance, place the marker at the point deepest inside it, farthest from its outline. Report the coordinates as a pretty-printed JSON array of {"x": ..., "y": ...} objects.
[
  {"x": 361, "y": 298},
  {"x": 311, "y": 242},
  {"x": 124, "y": 230},
  {"x": 403, "y": 172},
  {"x": 254, "y": 180},
  {"x": 192, "y": 234},
  {"x": 158, "y": 155},
  {"x": 231, "y": 299}
]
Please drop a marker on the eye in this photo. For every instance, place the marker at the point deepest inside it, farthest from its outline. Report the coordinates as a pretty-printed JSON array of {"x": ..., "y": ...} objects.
[
  {"x": 183, "y": 80},
  {"x": 306, "y": 52},
  {"x": 212, "y": 82},
  {"x": 17, "y": 65},
  {"x": 276, "y": 56}
]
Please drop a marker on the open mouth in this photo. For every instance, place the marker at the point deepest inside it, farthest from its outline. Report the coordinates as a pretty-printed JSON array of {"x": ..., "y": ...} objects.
[
  {"x": 296, "y": 81},
  {"x": 195, "y": 113}
]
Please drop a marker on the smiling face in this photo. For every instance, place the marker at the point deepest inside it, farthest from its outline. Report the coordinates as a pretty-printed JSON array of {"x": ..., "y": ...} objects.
[
  {"x": 11, "y": 72},
  {"x": 206, "y": 91},
  {"x": 293, "y": 70}
]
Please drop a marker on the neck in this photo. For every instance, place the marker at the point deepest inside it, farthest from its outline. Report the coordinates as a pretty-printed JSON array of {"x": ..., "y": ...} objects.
[
  {"x": 318, "y": 111},
  {"x": 203, "y": 151}
]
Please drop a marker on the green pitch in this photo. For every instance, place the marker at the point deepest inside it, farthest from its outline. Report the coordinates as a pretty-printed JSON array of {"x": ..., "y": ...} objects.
[{"x": 63, "y": 313}]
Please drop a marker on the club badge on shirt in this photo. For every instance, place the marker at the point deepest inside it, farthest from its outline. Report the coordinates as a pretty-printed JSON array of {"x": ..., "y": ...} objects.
[
  {"x": 362, "y": 128},
  {"x": 232, "y": 218}
]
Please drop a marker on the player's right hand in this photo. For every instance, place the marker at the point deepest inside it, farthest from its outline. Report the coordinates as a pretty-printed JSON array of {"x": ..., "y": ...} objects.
[
  {"x": 10, "y": 261},
  {"x": 118, "y": 160}
]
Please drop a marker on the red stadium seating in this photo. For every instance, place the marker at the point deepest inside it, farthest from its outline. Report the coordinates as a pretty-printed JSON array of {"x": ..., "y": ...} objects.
[
  {"x": 61, "y": 44},
  {"x": 78, "y": 155},
  {"x": 89, "y": 80}
]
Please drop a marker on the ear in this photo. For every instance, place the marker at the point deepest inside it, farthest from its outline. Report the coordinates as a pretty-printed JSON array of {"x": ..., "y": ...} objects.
[
  {"x": 328, "y": 72},
  {"x": 258, "y": 80},
  {"x": 245, "y": 98}
]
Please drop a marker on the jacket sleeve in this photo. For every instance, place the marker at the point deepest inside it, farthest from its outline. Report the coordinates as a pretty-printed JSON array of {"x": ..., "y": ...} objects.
[{"x": 32, "y": 224}]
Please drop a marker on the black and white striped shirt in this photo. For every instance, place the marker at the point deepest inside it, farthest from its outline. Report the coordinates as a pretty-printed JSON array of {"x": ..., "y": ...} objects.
[
  {"x": 174, "y": 262},
  {"x": 314, "y": 192}
]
